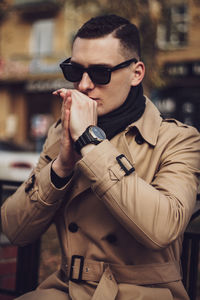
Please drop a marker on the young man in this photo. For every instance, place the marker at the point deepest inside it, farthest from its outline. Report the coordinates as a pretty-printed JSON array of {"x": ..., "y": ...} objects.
[{"x": 119, "y": 181}]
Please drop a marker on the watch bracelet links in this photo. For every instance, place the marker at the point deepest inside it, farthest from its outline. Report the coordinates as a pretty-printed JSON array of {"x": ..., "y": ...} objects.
[{"x": 81, "y": 142}]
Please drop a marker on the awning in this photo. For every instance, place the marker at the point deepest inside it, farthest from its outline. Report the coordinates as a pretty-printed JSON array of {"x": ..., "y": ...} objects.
[
  {"x": 49, "y": 85},
  {"x": 32, "y": 6}
]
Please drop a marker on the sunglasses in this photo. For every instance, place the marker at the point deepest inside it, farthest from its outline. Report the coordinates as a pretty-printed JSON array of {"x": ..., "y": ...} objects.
[{"x": 98, "y": 74}]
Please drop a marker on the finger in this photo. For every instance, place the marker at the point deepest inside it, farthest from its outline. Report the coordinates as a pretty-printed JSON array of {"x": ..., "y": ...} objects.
[
  {"x": 66, "y": 113},
  {"x": 65, "y": 132},
  {"x": 64, "y": 95},
  {"x": 68, "y": 102},
  {"x": 63, "y": 111},
  {"x": 67, "y": 94},
  {"x": 56, "y": 93},
  {"x": 66, "y": 120},
  {"x": 60, "y": 92}
]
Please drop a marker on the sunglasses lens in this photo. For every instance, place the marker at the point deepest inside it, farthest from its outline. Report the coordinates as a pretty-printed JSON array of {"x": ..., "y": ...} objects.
[
  {"x": 72, "y": 73},
  {"x": 99, "y": 75}
]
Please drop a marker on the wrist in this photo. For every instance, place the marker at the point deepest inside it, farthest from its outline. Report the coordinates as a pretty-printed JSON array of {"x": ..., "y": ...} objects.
[
  {"x": 60, "y": 170},
  {"x": 92, "y": 136},
  {"x": 59, "y": 182}
]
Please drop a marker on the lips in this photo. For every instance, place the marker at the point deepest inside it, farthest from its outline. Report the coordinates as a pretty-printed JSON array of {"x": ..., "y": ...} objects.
[{"x": 96, "y": 99}]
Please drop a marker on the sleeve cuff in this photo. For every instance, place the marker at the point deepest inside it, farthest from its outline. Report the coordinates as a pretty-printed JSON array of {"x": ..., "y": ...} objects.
[
  {"x": 49, "y": 194},
  {"x": 58, "y": 181},
  {"x": 102, "y": 167}
]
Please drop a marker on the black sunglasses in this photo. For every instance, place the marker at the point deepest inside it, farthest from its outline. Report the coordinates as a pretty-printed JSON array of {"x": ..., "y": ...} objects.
[{"x": 98, "y": 74}]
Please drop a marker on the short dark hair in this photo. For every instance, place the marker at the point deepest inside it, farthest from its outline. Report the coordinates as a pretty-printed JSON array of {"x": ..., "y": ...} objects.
[{"x": 120, "y": 27}]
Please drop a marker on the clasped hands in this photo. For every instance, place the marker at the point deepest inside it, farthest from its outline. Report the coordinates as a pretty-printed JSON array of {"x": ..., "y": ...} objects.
[{"x": 77, "y": 113}]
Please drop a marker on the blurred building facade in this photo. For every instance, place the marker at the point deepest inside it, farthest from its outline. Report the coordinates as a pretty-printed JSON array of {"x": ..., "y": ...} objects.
[
  {"x": 178, "y": 41},
  {"x": 36, "y": 35}
]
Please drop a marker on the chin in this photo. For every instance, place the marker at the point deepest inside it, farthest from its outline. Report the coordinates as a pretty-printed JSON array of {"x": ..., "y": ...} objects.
[
  {"x": 100, "y": 111},
  {"x": 103, "y": 110}
]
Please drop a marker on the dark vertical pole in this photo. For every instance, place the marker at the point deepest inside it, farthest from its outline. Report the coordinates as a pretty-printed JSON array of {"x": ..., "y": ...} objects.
[
  {"x": 185, "y": 260},
  {"x": 28, "y": 261},
  {"x": 194, "y": 267}
]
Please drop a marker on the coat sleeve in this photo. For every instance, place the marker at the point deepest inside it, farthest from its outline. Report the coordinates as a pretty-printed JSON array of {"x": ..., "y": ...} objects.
[
  {"x": 156, "y": 213},
  {"x": 27, "y": 213}
]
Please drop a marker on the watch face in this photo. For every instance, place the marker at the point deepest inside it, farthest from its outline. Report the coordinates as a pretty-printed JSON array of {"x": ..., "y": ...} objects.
[{"x": 97, "y": 132}]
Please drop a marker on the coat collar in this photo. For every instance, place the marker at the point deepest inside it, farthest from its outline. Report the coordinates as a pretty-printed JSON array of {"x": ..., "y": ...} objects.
[{"x": 149, "y": 124}]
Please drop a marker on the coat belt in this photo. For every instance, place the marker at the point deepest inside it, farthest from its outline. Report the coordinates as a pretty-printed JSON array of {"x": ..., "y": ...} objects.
[{"x": 81, "y": 269}]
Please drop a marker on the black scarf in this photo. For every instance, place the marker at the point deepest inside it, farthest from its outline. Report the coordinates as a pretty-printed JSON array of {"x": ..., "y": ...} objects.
[{"x": 130, "y": 111}]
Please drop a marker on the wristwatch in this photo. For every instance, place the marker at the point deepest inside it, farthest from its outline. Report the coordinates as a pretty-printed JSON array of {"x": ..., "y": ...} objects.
[{"x": 92, "y": 135}]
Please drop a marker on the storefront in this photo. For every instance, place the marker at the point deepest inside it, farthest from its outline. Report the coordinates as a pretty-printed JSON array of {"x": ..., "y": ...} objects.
[
  {"x": 180, "y": 99},
  {"x": 26, "y": 99},
  {"x": 43, "y": 108}
]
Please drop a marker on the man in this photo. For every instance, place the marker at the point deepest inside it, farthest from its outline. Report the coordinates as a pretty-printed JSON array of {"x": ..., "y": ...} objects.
[{"x": 120, "y": 193}]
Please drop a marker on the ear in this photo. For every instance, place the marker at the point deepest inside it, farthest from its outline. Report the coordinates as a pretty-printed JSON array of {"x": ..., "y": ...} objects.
[{"x": 138, "y": 73}]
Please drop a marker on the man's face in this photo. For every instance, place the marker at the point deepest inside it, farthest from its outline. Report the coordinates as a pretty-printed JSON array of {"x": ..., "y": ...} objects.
[{"x": 103, "y": 51}]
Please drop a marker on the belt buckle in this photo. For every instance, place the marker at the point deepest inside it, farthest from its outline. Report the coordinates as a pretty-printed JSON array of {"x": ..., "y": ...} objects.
[
  {"x": 79, "y": 279},
  {"x": 124, "y": 168}
]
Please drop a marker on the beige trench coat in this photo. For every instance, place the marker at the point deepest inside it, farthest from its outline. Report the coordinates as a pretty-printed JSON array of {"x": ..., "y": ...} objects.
[{"x": 126, "y": 230}]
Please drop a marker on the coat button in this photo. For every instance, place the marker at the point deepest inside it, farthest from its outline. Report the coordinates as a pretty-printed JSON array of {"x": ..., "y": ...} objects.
[
  {"x": 111, "y": 238},
  {"x": 73, "y": 227},
  {"x": 139, "y": 139}
]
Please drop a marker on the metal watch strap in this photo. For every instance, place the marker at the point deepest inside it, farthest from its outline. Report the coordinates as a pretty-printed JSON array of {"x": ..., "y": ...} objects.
[
  {"x": 92, "y": 135},
  {"x": 84, "y": 140}
]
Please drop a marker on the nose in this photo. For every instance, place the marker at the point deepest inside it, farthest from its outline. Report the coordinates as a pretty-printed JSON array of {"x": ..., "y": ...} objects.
[{"x": 85, "y": 84}]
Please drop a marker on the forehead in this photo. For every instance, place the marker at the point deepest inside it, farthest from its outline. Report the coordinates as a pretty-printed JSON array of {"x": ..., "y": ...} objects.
[{"x": 104, "y": 50}]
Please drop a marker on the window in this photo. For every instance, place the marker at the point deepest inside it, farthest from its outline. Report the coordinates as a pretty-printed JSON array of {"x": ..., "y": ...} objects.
[
  {"x": 42, "y": 38},
  {"x": 173, "y": 33}
]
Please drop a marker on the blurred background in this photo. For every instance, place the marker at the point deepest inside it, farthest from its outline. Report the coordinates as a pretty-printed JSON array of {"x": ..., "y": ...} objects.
[{"x": 36, "y": 35}]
